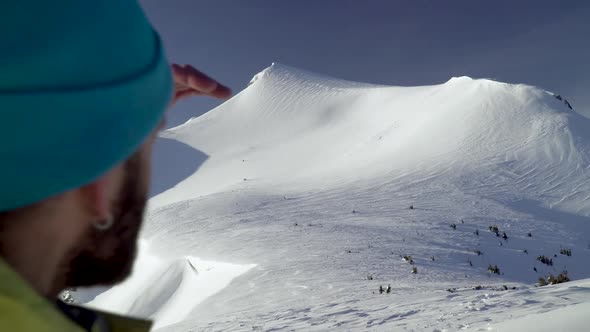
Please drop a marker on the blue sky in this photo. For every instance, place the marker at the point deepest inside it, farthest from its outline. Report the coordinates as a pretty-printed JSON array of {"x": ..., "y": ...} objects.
[{"x": 543, "y": 43}]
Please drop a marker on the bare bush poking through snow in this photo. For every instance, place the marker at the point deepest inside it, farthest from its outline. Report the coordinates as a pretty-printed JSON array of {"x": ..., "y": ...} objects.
[
  {"x": 545, "y": 260},
  {"x": 494, "y": 269},
  {"x": 408, "y": 259},
  {"x": 552, "y": 280}
]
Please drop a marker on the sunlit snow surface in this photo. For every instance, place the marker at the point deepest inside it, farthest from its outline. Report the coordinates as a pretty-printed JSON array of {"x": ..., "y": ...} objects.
[{"x": 302, "y": 192}]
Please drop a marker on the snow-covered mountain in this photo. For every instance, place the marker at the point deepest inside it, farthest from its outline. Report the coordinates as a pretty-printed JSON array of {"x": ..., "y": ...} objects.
[{"x": 310, "y": 192}]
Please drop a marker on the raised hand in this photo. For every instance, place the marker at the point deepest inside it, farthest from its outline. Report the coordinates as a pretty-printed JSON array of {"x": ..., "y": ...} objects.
[{"x": 188, "y": 81}]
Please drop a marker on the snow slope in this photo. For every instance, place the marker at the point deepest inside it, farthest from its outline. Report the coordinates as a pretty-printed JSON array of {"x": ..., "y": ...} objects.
[
  {"x": 164, "y": 289},
  {"x": 304, "y": 196}
]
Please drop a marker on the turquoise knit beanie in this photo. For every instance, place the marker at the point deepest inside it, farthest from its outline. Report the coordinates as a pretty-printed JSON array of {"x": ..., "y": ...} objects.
[{"x": 82, "y": 85}]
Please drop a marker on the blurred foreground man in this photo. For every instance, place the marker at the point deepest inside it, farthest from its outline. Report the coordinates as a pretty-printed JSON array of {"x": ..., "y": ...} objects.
[{"x": 83, "y": 90}]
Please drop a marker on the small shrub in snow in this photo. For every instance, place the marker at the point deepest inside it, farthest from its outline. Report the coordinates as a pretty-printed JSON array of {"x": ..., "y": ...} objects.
[
  {"x": 567, "y": 103},
  {"x": 478, "y": 253},
  {"x": 561, "y": 278},
  {"x": 453, "y": 226},
  {"x": 552, "y": 280},
  {"x": 545, "y": 260},
  {"x": 567, "y": 252},
  {"x": 504, "y": 236},
  {"x": 494, "y": 269},
  {"x": 414, "y": 270},
  {"x": 408, "y": 259},
  {"x": 432, "y": 258},
  {"x": 494, "y": 229}
]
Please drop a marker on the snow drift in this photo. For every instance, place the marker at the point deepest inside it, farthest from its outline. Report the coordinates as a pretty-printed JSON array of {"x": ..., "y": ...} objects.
[{"x": 165, "y": 290}]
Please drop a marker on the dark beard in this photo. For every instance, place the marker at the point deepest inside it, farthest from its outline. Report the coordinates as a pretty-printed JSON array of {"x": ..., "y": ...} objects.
[{"x": 106, "y": 257}]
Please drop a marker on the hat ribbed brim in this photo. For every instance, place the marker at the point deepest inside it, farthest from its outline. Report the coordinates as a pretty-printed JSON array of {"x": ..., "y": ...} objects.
[{"x": 61, "y": 139}]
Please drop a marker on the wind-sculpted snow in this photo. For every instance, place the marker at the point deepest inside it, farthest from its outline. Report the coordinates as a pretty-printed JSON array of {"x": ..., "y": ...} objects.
[
  {"x": 333, "y": 188},
  {"x": 164, "y": 289}
]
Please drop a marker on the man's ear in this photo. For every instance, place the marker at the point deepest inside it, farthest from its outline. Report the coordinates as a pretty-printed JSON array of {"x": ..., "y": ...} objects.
[{"x": 98, "y": 195}]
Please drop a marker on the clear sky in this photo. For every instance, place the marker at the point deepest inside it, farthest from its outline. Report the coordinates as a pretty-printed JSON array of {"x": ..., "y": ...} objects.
[{"x": 543, "y": 43}]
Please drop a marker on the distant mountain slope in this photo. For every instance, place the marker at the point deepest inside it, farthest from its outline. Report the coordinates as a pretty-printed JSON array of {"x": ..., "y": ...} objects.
[
  {"x": 334, "y": 188},
  {"x": 291, "y": 126}
]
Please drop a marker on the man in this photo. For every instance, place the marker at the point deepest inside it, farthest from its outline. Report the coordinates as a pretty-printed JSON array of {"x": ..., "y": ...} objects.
[{"x": 83, "y": 89}]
